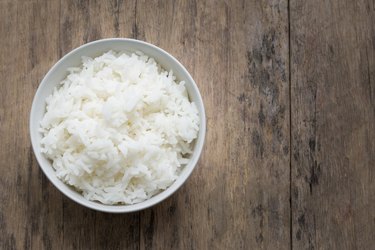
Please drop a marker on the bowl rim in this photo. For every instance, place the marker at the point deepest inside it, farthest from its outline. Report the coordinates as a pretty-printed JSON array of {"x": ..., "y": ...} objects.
[{"x": 153, "y": 200}]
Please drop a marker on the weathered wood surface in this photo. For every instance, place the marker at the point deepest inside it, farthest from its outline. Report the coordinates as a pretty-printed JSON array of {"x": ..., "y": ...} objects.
[
  {"x": 238, "y": 197},
  {"x": 289, "y": 158},
  {"x": 333, "y": 117}
]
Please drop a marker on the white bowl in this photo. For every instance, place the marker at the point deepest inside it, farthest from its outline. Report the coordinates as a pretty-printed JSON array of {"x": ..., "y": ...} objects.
[{"x": 59, "y": 71}]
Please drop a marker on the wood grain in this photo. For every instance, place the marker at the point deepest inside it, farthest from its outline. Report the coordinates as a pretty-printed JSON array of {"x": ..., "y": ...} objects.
[
  {"x": 333, "y": 117},
  {"x": 237, "y": 198},
  {"x": 289, "y": 156}
]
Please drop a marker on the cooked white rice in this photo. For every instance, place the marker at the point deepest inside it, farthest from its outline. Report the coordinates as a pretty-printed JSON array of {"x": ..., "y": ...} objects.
[{"x": 119, "y": 128}]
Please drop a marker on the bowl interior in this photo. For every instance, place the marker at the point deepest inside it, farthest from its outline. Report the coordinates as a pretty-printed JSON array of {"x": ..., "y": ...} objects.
[{"x": 59, "y": 71}]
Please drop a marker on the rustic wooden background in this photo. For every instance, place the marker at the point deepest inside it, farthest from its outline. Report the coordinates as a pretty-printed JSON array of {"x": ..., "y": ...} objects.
[{"x": 289, "y": 89}]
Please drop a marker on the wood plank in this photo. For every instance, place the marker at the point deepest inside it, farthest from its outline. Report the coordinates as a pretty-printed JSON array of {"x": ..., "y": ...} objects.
[
  {"x": 333, "y": 117},
  {"x": 28, "y": 47},
  {"x": 33, "y": 213},
  {"x": 238, "y": 197}
]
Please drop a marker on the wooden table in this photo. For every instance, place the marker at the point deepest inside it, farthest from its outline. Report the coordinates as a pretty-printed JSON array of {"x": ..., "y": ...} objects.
[{"x": 289, "y": 159}]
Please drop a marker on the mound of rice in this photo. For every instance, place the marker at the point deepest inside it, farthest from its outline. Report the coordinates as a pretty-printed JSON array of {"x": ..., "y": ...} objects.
[{"x": 119, "y": 129}]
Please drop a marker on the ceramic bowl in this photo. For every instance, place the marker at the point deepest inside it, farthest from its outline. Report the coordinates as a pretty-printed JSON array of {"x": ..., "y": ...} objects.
[{"x": 73, "y": 59}]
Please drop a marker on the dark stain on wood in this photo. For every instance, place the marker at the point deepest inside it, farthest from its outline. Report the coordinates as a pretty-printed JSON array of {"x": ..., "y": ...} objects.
[
  {"x": 82, "y": 5},
  {"x": 257, "y": 211},
  {"x": 298, "y": 234},
  {"x": 313, "y": 179},
  {"x": 135, "y": 26},
  {"x": 172, "y": 209},
  {"x": 261, "y": 116},
  {"x": 135, "y": 30},
  {"x": 9, "y": 241},
  {"x": 276, "y": 120},
  {"x": 258, "y": 142},
  {"x": 295, "y": 193},
  {"x": 262, "y": 62},
  {"x": 286, "y": 149},
  {"x": 45, "y": 182},
  {"x": 259, "y": 238},
  {"x": 149, "y": 230},
  {"x": 268, "y": 44},
  {"x": 296, "y": 155},
  {"x": 258, "y": 214},
  {"x": 301, "y": 221},
  {"x": 242, "y": 98},
  {"x": 312, "y": 144}
]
